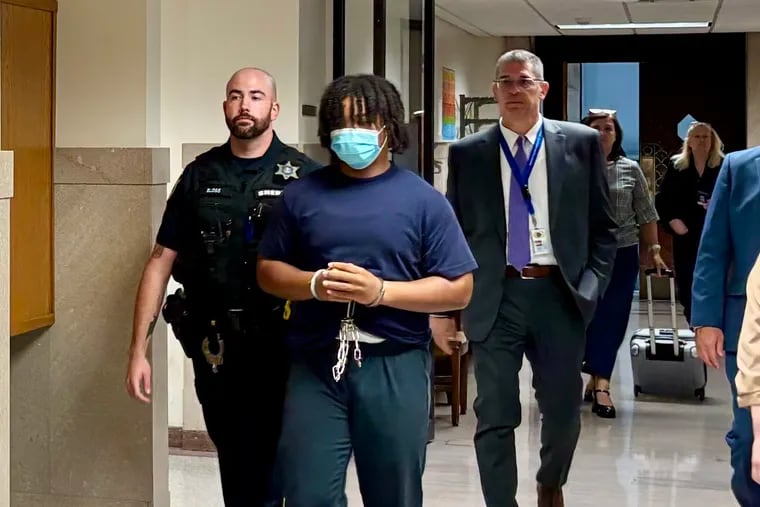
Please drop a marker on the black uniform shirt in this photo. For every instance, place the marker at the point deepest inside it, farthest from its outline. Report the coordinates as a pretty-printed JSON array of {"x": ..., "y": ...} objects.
[{"x": 281, "y": 163}]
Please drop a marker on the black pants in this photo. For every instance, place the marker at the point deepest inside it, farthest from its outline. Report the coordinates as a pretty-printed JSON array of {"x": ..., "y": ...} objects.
[
  {"x": 684, "y": 260},
  {"x": 242, "y": 409},
  {"x": 378, "y": 412},
  {"x": 539, "y": 319}
]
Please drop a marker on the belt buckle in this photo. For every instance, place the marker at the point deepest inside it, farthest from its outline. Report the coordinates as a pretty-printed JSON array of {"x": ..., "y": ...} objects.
[{"x": 526, "y": 277}]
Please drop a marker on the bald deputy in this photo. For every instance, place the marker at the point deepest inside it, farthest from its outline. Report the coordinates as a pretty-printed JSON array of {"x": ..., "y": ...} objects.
[{"x": 231, "y": 330}]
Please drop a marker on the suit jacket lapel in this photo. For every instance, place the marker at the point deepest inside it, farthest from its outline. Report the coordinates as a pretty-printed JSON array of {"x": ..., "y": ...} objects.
[
  {"x": 494, "y": 189},
  {"x": 555, "y": 173}
]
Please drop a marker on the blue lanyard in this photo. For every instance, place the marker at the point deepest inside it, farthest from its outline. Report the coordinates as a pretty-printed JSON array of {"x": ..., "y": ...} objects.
[{"x": 522, "y": 175}]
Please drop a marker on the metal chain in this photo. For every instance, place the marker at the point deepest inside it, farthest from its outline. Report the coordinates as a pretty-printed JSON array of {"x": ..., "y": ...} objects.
[{"x": 348, "y": 333}]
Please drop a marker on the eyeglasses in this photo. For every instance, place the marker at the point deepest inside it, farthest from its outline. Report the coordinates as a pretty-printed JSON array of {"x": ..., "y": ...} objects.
[
  {"x": 609, "y": 112},
  {"x": 524, "y": 83}
]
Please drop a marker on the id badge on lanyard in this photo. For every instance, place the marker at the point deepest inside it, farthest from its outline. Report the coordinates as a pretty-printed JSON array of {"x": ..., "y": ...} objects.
[{"x": 538, "y": 240}]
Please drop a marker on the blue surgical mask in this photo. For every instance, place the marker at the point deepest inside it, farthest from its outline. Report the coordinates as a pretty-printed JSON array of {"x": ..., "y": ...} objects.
[{"x": 356, "y": 147}]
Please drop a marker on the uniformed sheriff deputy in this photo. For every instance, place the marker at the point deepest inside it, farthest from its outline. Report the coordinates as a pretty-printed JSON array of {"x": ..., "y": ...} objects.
[{"x": 232, "y": 331}]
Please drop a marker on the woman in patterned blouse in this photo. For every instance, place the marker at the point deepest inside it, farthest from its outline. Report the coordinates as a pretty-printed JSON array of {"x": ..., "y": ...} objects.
[{"x": 637, "y": 219}]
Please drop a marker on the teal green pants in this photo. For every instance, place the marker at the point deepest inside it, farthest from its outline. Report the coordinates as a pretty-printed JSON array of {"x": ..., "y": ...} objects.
[{"x": 378, "y": 413}]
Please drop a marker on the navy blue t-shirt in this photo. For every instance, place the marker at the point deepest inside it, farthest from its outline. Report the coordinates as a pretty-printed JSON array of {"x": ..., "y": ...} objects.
[{"x": 395, "y": 225}]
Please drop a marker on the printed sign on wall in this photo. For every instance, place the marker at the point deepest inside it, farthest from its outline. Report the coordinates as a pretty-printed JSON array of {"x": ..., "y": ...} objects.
[{"x": 449, "y": 106}]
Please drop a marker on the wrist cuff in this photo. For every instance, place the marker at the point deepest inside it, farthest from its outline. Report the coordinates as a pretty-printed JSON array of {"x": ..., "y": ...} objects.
[{"x": 313, "y": 284}]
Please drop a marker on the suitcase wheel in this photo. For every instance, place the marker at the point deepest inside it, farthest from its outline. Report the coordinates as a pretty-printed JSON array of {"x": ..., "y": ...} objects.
[
  {"x": 637, "y": 391},
  {"x": 700, "y": 394}
]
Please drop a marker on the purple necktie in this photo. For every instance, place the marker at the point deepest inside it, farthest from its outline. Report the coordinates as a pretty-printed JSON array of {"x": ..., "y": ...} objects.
[{"x": 518, "y": 248}]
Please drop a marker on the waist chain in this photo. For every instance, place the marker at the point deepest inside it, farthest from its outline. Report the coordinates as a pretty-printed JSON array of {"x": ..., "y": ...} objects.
[{"x": 350, "y": 333}]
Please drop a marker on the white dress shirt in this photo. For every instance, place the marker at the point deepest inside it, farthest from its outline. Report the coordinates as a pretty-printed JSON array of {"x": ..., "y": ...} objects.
[{"x": 537, "y": 186}]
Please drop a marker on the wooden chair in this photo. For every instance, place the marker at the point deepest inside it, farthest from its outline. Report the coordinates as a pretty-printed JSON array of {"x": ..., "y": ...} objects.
[{"x": 451, "y": 375}]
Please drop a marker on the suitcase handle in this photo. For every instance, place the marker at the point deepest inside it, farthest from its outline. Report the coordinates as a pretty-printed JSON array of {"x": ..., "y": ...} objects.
[
  {"x": 650, "y": 309},
  {"x": 664, "y": 272}
]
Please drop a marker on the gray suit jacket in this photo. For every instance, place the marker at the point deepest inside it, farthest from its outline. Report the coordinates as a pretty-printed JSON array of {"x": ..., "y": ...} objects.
[{"x": 581, "y": 219}]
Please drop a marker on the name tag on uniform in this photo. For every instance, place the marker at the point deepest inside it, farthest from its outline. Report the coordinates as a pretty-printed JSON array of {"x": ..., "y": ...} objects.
[{"x": 538, "y": 241}]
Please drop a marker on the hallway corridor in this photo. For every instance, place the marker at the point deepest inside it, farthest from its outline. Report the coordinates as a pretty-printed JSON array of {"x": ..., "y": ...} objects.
[{"x": 657, "y": 453}]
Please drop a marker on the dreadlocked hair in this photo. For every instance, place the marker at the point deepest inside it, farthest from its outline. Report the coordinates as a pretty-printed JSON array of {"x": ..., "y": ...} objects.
[{"x": 377, "y": 100}]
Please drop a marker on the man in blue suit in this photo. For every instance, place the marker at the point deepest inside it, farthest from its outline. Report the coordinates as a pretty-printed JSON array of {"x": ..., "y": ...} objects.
[{"x": 729, "y": 246}]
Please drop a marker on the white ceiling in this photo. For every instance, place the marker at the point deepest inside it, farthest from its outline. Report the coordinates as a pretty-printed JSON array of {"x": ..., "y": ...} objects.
[{"x": 540, "y": 17}]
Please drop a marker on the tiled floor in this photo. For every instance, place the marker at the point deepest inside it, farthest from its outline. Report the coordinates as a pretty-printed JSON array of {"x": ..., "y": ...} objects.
[{"x": 657, "y": 453}]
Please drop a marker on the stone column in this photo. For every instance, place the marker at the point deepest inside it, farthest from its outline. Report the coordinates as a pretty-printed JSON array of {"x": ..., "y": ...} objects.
[
  {"x": 6, "y": 193},
  {"x": 77, "y": 438}
]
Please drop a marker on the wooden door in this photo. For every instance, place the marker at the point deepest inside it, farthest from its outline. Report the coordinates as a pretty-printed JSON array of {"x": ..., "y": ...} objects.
[
  {"x": 27, "y": 48},
  {"x": 668, "y": 93}
]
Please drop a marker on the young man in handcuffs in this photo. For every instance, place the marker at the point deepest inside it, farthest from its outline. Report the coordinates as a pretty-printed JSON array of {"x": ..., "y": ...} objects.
[{"x": 365, "y": 251}]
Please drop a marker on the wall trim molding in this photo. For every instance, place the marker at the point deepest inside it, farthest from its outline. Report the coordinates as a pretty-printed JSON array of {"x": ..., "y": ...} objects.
[
  {"x": 190, "y": 440},
  {"x": 43, "y": 5}
]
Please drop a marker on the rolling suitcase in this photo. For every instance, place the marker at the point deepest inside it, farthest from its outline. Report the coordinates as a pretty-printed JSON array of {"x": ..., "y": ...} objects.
[{"x": 664, "y": 360}]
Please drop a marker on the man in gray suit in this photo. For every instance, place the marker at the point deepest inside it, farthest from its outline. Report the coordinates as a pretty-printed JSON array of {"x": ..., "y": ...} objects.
[{"x": 532, "y": 199}]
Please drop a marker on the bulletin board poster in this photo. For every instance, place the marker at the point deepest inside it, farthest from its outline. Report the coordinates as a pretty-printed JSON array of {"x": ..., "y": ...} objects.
[{"x": 449, "y": 106}]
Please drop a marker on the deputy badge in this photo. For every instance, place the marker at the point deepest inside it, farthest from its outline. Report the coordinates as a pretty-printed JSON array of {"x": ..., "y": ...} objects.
[{"x": 287, "y": 170}]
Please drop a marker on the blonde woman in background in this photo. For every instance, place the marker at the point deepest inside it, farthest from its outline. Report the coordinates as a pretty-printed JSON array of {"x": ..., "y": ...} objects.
[{"x": 683, "y": 198}]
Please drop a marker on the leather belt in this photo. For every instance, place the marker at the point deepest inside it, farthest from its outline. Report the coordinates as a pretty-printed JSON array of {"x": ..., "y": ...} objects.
[{"x": 531, "y": 271}]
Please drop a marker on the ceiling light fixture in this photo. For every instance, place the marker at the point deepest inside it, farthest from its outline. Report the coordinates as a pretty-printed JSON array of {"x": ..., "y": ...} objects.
[{"x": 635, "y": 26}]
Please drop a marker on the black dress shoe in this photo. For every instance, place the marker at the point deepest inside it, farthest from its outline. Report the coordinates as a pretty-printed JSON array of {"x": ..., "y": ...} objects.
[
  {"x": 603, "y": 411},
  {"x": 550, "y": 496}
]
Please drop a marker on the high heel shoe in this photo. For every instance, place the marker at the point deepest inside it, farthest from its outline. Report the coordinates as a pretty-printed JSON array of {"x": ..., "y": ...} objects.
[
  {"x": 603, "y": 411},
  {"x": 588, "y": 393}
]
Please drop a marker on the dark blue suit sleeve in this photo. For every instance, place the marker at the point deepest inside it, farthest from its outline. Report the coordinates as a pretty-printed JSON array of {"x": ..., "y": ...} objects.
[
  {"x": 602, "y": 225},
  {"x": 451, "y": 183},
  {"x": 713, "y": 256}
]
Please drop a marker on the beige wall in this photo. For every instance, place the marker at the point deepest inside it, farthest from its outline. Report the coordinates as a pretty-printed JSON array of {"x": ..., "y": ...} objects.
[
  {"x": 359, "y": 28},
  {"x": 753, "y": 89},
  {"x": 472, "y": 59},
  {"x": 202, "y": 44},
  {"x": 314, "y": 29},
  {"x": 102, "y": 74}
]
